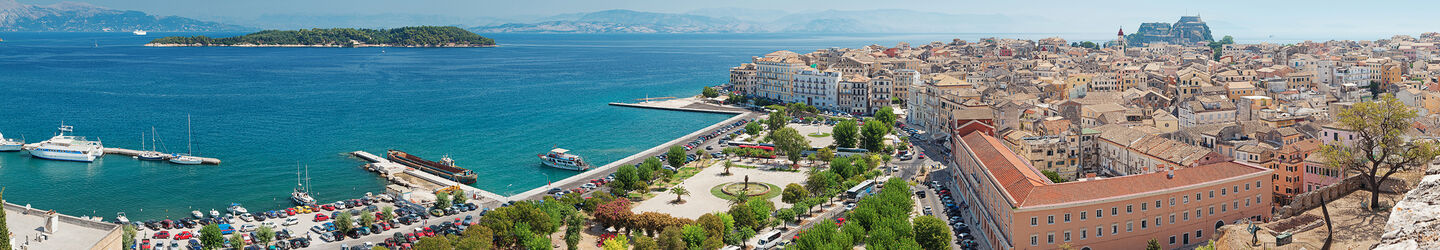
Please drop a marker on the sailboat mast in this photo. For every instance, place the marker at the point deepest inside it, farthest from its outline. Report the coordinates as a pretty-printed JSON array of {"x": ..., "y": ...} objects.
[
  {"x": 189, "y": 146},
  {"x": 152, "y": 138}
]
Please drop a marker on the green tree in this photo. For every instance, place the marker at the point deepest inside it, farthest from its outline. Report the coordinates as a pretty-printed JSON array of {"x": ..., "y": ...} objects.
[
  {"x": 644, "y": 243},
  {"x": 846, "y": 133},
  {"x": 676, "y": 157},
  {"x": 264, "y": 235},
  {"x": 627, "y": 178},
  {"x": 367, "y": 220},
  {"x": 237, "y": 241},
  {"x": 434, "y": 243},
  {"x": 825, "y": 154},
  {"x": 709, "y": 92},
  {"x": 468, "y": 244},
  {"x": 480, "y": 235},
  {"x": 459, "y": 197},
  {"x": 679, "y": 193},
  {"x": 694, "y": 236},
  {"x": 1153, "y": 245},
  {"x": 672, "y": 238},
  {"x": 573, "y": 227},
  {"x": 126, "y": 240},
  {"x": 728, "y": 164},
  {"x": 785, "y": 215},
  {"x": 794, "y": 193},
  {"x": 886, "y": 115},
  {"x": 789, "y": 141},
  {"x": 388, "y": 213},
  {"x": 777, "y": 120},
  {"x": 931, "y": 233},
  {"x": 753, "y": 128},
  {"x": 1054, "y": 177},
  {"x": 1381, "y": 149},
  {"x": 442, "y": 200},
  {"x": 873, "y": 135},
  {"x": 344, "y": 223},
  {"x": 211, "y": 238}
]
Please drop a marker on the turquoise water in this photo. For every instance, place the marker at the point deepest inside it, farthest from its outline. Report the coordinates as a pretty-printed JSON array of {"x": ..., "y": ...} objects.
[{"x": 265, "y": 110}]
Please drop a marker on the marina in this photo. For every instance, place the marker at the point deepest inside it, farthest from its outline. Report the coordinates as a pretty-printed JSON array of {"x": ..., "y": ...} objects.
[{"x": 136, "y": 153}]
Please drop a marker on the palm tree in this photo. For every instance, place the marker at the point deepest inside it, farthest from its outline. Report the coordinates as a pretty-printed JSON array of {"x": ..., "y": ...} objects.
[
  {"x": 679, "y": 192},
  {"x": 728, "y": 164}
]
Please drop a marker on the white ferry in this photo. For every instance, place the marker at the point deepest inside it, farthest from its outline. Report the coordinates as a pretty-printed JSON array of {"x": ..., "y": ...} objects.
[
  {"x": 10, "y": 145},
  {"x": 67, "y": 148},
  {"x": 559, "y": 158},
  {"x": 139, "y": 32}
]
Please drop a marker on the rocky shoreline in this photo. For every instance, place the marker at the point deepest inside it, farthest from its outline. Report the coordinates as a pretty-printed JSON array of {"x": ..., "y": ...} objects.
[{"x": 318, "y": 45}]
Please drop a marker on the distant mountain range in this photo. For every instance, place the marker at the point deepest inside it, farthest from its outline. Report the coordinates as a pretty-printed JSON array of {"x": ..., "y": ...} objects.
[
  {"x": 760, "y": 21},
  {"x": 82, "y": 17},
  {"x": 70, "y": 16}
]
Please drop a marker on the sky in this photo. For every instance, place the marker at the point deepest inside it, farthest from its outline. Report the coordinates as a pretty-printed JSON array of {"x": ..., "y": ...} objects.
[{"x": 1247, "y": 18}]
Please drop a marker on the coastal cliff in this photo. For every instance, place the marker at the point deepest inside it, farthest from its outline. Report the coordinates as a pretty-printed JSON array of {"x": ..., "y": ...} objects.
[{"x": 422, "y": 36}]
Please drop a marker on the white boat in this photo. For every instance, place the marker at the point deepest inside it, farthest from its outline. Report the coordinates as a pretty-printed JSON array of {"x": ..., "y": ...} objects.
[
  {"x": 235, "y": 208},
  {"x": 139, "y": 32},
  {"x": 214, "y": 213},
  {"x": 301, "y": 195},
  {"x": 197, "y": 214},
  {"x": 67, "y": 148},
  {"x": 10, "y": 145},
  {"x": 187, "y": 159},
  {"x": 560, "y": 158},
  {"x": 151, "y": 154},
  {"x": 120, "y": 217}
]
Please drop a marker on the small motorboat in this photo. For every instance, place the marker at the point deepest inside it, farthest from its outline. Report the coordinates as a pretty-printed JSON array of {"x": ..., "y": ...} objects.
[
  {"x": 120, "y": 217},
  {"x": 197, "y": 214},
  {"x": 214, "y": 213}
]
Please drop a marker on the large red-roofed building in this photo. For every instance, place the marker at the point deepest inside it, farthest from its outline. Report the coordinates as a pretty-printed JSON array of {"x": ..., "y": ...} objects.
[{"x": 1011, "y": 205}]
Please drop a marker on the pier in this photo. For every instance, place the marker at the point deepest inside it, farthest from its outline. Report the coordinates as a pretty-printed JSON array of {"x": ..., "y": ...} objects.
[
  {"x": 132, "y": 152},
  {"x": 683, "y": 104}
]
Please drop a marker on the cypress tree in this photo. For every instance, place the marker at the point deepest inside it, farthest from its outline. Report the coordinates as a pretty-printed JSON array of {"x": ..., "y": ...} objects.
[{"x": 4, "y": 227}]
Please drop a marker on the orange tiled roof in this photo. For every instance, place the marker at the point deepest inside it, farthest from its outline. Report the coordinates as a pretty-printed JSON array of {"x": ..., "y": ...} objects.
[{"x": 1028, "y": 188}]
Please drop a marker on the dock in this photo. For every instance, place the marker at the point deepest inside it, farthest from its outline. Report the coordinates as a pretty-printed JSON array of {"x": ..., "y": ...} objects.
[
  {"x": 132, "y": 152},
  {"x": 683, "y": 104},
  {"x": 384, "y": 166}
]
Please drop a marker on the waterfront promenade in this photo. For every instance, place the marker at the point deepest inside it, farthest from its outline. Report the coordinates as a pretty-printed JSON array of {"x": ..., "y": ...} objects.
[{"x": 683, "y": 104}]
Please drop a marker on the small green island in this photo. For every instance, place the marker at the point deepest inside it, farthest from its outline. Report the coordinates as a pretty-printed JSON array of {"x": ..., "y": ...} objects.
[{"x": 421, "y": 36}]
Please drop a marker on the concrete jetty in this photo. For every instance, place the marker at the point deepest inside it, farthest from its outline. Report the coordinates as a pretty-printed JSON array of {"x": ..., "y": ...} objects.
[
  {"x": 691, "y": 104},
  {"x": 132, "y": 152},
  {"x": 383, "y": 165}
]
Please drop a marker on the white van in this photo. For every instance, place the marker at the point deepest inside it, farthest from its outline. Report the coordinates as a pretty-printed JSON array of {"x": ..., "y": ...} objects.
[{"x": 768, "y": 240}]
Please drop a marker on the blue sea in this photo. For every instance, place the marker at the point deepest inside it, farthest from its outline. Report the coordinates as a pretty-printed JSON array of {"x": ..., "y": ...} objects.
[{"x": 265, "y": 111}]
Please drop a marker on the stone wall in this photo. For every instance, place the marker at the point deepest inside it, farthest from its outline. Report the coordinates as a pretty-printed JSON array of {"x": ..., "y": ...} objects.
[{"x": 1311, "y": 200}]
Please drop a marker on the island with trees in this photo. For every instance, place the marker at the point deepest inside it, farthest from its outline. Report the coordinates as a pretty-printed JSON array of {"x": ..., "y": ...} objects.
[{"x": 421, "y": 36}]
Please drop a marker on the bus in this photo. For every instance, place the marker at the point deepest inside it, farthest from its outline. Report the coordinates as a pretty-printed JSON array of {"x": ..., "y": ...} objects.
[
  {"x": 766, "y": 148},
  {"x": 847, "y": 152},
  {"x": 860, "y": 191}
]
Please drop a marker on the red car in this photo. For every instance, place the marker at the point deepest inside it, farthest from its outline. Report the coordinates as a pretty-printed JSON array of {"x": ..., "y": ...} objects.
[
  {"x": 429, "y": 233},
  {"x": 290, "y": 211},
  {"x": 161, "y": 235},
  {"x": 321, "y": 217},
  {"x": 184, "y": 235},
  {"x": 328, "y": 207},
  {"x": 145, "y": 244}
]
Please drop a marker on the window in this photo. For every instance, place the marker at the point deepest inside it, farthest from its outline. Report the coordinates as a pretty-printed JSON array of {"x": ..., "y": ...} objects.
[
  {"x": 1099, "y": 232},
  {"x": 1212, "y": 210},
  {"x": 1222, "y": 207},
  {"x": 1129, "y": 226},
  {"x": 1034, "y": 221},
  {"x": 1050, "y": 219},
  {"x": 1098, "y": 214},
  {"x": 1212, "y": 194},
  {"x": 1067, "y": 236},
  {"x": 1257, "y": 183},
  {"x": 1185, "y": 199},
  {"x": 1143, "y": 206},
  {"x": 1185, "y": 216},
  {"x": 1222, "y": 191},
  {"x": 1083, "y": 233},
  {"x": 1197, "y": 213},
  {"x": 1172, "y": 201},
  {"x": 1129, "y": 208},
  {"x": 1144, "y": 224},
  {"x": 1237, "y": 205},
  {"x": 1082, "y": 215},
  {"x": 1157, "y": 221},
  {"x": 1198, "y": 233},
  {"x": 1172, "y": 240},
  {"x": 1236, "y": 189},
  {"x": 1050, "y": 238},
  {"x": 1114, "y": 210},
  {"x": 1197, "y": 196},
  {"x": 1114, "y": 228},
  {"x": 1157, "y": 203},
  {"x": 1067, "y": 217},
  {"x": 1035, "y": 240},
  {"x": 1247, "y": 186}
]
